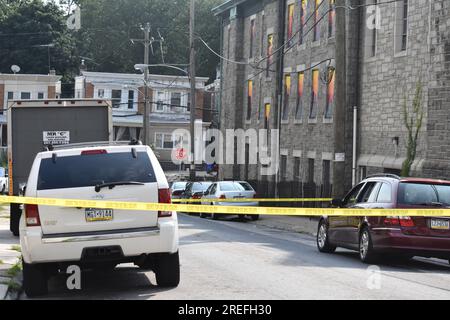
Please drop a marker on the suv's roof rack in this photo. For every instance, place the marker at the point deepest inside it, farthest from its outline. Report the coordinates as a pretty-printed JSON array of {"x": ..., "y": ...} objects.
[
  {"x": 384, "y": 175},
  {"x": 93, "y": 144}
]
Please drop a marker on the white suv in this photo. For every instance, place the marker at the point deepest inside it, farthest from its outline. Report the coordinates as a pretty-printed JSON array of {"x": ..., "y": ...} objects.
[{"x": 53, "y": 238}]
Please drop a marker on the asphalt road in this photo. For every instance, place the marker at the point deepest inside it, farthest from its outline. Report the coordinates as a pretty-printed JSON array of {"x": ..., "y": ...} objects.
[{"x": 233, "y": 260}]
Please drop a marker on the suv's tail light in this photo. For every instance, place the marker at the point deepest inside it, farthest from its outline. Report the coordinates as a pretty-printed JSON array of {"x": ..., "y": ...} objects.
[
  {"x": 223, "y": 197},
  {"x": 93, "y": 152},
  {"x": 164, "y": 197},
  {"x": 32, "y": 215}
]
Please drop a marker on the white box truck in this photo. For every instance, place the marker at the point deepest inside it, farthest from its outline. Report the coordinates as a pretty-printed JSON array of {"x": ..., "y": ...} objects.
[{"x": 35, "y": 125}]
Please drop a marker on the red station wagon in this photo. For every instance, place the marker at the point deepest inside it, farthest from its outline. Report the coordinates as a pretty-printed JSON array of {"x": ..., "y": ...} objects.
[{"x": 399, "y": 237}]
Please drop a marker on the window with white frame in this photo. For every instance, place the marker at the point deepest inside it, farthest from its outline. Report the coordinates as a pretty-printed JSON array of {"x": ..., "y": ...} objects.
[
  {"x": 160, "y": 101},
  {"x": 101, "y": 93},
  {"x": 116, "y": 98},
  {"x": 40, "y": 95},
  {"x": 130, "y": 99},
  {"x": 163, "y": 141},
  {"x": 10, "y": 95},
  {"x": 175, "y": 100},
  {"x": 25, "y": 95}
]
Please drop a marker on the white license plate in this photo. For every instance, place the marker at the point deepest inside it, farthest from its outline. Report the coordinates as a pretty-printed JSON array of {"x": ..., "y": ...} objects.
[
  {"x": 440, "y": 224},
  {"x": 93, "y": 215}
]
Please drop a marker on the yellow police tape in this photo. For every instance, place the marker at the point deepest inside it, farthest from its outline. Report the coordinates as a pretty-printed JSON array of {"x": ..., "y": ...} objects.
[
  {"x": 230, "y": 210},
  {"x": 253, "y": 200}
]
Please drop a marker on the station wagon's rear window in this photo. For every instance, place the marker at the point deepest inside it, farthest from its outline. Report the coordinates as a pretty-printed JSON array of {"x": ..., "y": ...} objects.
[
  {"x": 423, "y": 194},
  {"x": 91, "y": 170}
]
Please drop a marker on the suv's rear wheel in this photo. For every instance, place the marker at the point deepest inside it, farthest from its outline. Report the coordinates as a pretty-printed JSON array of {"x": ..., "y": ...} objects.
[
  {"x": 167, "y": 270},
  {"x": 323, "y": 243},
  {"x": 35, "y": 279},
  {"x": 254, "y": 217},
  {"x": 366, "y": 251}
]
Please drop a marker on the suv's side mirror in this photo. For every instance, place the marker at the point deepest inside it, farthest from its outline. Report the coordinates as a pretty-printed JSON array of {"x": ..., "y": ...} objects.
[{"x": 337, "y": 203}]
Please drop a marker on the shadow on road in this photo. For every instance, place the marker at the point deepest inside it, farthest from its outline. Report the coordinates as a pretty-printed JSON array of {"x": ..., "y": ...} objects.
[
  {"x": 130, "y": 282},
  {"x": 300, "y": 250}
]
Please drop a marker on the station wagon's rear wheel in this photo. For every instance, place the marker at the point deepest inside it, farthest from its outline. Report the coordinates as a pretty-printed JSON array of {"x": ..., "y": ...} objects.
[
  {"x": 366, "y": 251},
  {"x": 167, "y": 270},
  {"x": 323, "y": 243},
  {"x": 35, "y": 280}
]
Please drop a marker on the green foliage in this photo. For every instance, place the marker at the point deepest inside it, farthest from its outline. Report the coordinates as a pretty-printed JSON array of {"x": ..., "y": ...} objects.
[
  {"x": 27, "y": 26},
  {"x": 15, "y": 269},
  {"x": 16, "y": 248},
  {"x": 104, "y": 40},
  {"x": 413, "y": 120},
  {"x": 108, "y": 26}
]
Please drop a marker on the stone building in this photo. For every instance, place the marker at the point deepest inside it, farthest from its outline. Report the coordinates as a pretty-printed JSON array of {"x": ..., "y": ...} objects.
[
  {"x": 279, "y": 72},
  {"x": 412, "y": 46}
]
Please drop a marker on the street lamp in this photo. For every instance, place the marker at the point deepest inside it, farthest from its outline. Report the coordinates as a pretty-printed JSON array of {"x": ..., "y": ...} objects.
[{"x": 141, "y": 67}]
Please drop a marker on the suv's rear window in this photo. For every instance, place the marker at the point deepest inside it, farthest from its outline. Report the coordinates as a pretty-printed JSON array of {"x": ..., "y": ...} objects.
[
  {"x": 423, "y": 194},
  {"x": 91, "y": 170}
]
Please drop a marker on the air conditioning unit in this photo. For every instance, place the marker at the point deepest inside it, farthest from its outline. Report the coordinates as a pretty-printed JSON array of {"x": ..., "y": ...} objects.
[{"x": 233, "y": 13}]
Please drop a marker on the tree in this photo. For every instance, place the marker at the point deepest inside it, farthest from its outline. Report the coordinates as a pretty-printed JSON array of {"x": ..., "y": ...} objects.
[
  {"x": 109, "y": 26},
  {"x": 34, "y": 34},
  {"x": 413, "y": 120}
]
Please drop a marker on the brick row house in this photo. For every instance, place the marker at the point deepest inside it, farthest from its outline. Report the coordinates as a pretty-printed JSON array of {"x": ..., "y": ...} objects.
[
  {"x": 169, "y": 98},
  {"x": 25, "y": 87},
  {"x": 279, "y": 72}
]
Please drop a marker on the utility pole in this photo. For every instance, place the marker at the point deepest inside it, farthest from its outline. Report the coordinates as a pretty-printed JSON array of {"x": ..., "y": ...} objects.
[
  {"x": 147, "y": 43},
  {"x": 192, "y": 173},
  {"x": 340, "y": 110}
]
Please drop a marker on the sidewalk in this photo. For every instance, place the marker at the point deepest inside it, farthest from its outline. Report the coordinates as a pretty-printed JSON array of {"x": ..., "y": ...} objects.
[
  {"x": 10, "y": 267},
  {"x": 290, "y": 223}
]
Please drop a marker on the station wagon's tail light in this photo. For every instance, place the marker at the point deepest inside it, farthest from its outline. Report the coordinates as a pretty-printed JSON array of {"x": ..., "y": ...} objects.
[
  {"x": 255, "y": 196},
  {"x": 399, "y": 221},
  {"x": 222, "y": 197},
  {"x": 32, "y": 215},
  {"x": 164, "y": 197},
  {"x": 406, "y": 222},
  {"x": 392, "y": 221}
]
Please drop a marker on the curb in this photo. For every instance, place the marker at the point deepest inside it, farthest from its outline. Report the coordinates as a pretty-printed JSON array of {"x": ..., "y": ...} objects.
[{"x": 10, "y": 285}]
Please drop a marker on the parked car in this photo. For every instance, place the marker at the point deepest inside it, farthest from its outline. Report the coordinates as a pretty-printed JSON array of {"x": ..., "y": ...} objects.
[
  {"x": 229, "y": 190},
  {"x": 53, "y": 238},
  {"x": 400, "y": 237},
  {"x": 195, "y": 190},
  {"x": 177, "y": 189}
]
